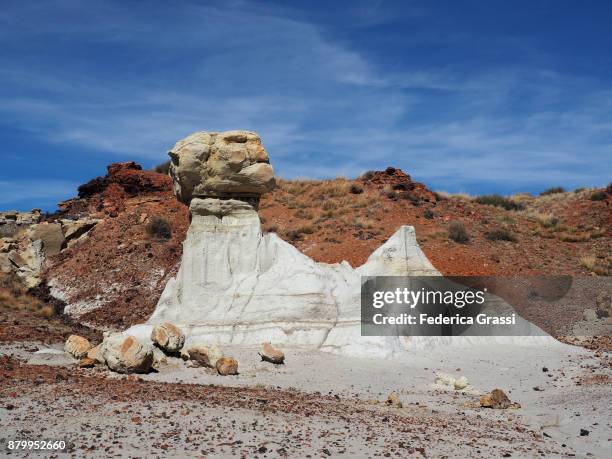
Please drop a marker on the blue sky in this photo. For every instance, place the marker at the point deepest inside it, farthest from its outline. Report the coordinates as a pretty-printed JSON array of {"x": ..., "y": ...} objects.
[{"x": 488, "y": 96}]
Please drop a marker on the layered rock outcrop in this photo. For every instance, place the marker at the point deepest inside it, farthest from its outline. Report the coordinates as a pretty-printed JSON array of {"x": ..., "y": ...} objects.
[{"x": 27, "y": 242}]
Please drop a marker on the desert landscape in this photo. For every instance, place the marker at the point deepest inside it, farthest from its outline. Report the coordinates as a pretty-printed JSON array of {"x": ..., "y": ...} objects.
[
  {"x": 95, "y": 355},
  {"x": 305, "y": 229}
]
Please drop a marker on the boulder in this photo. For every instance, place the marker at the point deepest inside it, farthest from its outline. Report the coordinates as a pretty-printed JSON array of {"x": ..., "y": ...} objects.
[
  {"x": 75, "y": 229},
  {"x": 5, "y": 263},
  {"x": 159, "y": 358},
  {"x": 95, "y": 353},
  {"x": 204, "y": 354},
  {"x": 77, "y": 346},
  {"x": 51, "y": 236},
  {"x": 125, "y": 354},
  {"x": 227, "y": 366},
  {"x": 496, "y": 399},
  {"x": 393, "y": 400},
  {"x": 220, "y": 165},
  {"x": 270, "y": 354},
  {"x": 168, "y": 337}
]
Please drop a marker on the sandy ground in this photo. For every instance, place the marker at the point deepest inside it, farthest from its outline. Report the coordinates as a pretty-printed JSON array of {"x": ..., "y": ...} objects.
[{"x": 319, "y": 405}]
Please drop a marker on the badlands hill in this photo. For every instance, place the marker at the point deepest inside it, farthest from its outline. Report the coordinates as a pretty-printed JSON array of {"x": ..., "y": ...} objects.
[{"x": 113, "y": 275}]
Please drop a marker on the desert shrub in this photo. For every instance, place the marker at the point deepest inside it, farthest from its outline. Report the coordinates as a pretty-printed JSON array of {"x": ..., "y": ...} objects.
[
  {"x": 498, "y": 201},
  {"x": 368, "y": 175},
  {"x": 293, "y": 235},
  {"x": 408, "y": 196},
  {"x": 304, "y": 213},
  {"x": 306, "y": 229},
  {"x": 567, "y": 237},
  {"x": 159, "y": 227},
  {"x": 428, "y": 214},
  {"x": 356, "y": 189},
  {"x": 599, "y": 196},
  {"x": 553, "y": 190},
  {"x": 163, "y": 168},
  {"x": 389, "y": 193},
  {"x": 501, "y": 234},
  {"x": 457, "y": 232},
  {"x": 271, "y": 228},
  {"x": 329, "y": 205}
]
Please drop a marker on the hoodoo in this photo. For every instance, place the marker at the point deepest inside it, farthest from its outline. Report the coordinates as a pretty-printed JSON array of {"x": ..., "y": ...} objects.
[{"x": 238, "y": 286}]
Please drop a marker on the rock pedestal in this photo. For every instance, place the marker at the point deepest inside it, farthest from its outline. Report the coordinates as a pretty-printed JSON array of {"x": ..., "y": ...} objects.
[{"x": 237, "y": 286}]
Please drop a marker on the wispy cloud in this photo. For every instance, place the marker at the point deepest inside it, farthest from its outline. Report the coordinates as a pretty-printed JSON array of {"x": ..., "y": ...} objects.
[{"x": 128, "y": 81}]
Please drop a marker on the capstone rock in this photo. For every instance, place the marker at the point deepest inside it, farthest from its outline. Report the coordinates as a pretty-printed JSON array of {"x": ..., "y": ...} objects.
[{"x": 232, "y": 164}]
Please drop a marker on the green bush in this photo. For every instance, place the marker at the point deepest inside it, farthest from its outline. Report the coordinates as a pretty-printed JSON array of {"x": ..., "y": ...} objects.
[
  {"x": 501, "y": 234},
  {"x": 159, "y": 227},
  {"x": 457, "y": 232},
  {"x": 599, "y": 196},
  {"x": 553, "y": 190},
  {"x": 356, "y": 189},
  {"x": 498, "y": 201}
]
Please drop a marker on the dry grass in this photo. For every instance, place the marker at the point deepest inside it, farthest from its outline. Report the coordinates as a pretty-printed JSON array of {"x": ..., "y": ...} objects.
[
  {"x": 462, "y": 196},
  {"x": 295, "y": 187},
  {"x": 546, "y": 220},
  {"x": 305, "y": 214},
  {"x": 595, "y": 265},
  {"x": 580, "y": 237}
]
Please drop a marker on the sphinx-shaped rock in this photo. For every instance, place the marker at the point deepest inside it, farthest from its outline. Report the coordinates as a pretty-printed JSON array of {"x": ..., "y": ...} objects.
[
  {"x": 237, "y": 286},
  {"x": 232, "y": 164}
]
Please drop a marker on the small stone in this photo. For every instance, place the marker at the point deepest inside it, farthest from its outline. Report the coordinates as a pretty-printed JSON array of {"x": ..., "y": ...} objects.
[
  {"x": 496, "y": 399},
  {"x": 589, "y": 315},
  {"x": 271, "y": 354},
  {"x": 77, "y": 346},
  {"x": 393, "y": 400},
  {"x": 227, "y": 366},
  {"x": 87, "y": 363},
  {"x": 444, "y": 379},
  {"x": 584, "y": 432},
  {"x": 461, "y": 383}
]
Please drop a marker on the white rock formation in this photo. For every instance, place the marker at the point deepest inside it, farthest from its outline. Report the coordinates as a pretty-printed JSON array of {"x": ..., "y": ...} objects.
[{"x": 237, "y": 286}]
